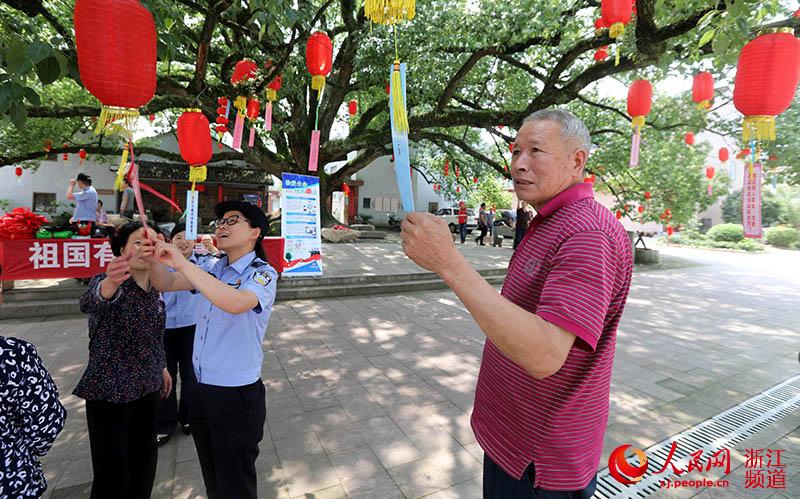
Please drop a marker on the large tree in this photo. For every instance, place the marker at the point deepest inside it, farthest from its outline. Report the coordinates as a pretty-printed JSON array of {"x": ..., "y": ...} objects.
[{"x": 473, "y": 65}]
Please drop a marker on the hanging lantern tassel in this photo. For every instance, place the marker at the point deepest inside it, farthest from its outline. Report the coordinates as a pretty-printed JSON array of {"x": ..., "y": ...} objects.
[
  {"x": 121, "y": 170},
  {"x": 398, "y": 103},
  {"x": 197, "y": 174},
  {"x": 238, "y": 128},
  {"x": 636, "y": 124},
  {"x": 759, "y": 128}
]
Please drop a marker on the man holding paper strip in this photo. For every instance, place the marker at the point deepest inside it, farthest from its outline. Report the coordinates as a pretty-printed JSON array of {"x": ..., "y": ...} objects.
[{"x": 541, "y": 402}]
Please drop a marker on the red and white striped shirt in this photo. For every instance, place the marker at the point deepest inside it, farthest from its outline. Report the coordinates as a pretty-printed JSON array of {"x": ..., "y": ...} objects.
[{"x": 573, "y": 269}]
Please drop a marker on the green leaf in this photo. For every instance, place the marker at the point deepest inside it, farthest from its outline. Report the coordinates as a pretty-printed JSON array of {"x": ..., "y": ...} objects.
[
  {"x": 48, "y": 70},
  {"x": 707, "y": 37},
  {"x": 17, "y": 58},
  {"x": 18, "y": 114},
  {"x": 32, "y": 97},
  {"x": 706, "y": 19},
  {"x": 721, "y": 44},
  {"x": 168, "y": 23},
  {"x": 38, "y": 51}
]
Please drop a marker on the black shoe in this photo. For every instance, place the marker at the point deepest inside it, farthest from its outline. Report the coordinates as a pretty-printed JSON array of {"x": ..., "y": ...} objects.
[
  {"x": 162, "y": 438},
  {"x": 187, "y": 430}
]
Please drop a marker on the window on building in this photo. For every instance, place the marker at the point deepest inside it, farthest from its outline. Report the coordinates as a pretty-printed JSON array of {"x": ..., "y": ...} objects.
[
  {"x": 432, "y": 207},
  {"x": 42, "y": 200},
  {"x": 366, "y": 203}
]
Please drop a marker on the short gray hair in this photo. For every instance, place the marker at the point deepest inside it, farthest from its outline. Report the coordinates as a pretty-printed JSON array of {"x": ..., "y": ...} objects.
[{"x": 571, "y": 126}]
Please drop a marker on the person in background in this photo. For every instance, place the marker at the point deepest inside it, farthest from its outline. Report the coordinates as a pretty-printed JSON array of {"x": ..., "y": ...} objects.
[
  {"x": 462, "y": 221},
  {"x": 481, "y": 225},
  {"x": 31, "y": 417},
  {"x": 178, "y": 346},
  {"x": 102, "y": 216},
  {"x": 237, "y": 293},
  {"x": 81, "y": 191},
  {"x": 521, "y": 225},
  {"x": 490, "y": 220},
  {"x": 126, "y": 372},
  {"x": 127, "y": 206}
]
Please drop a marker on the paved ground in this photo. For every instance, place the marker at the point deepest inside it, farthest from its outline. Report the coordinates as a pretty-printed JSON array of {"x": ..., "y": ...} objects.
[{"x": 370, "y": 397}]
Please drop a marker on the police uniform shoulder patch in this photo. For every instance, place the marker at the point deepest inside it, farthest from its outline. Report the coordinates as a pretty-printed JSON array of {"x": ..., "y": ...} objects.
[{"x": 262, "y": 277}]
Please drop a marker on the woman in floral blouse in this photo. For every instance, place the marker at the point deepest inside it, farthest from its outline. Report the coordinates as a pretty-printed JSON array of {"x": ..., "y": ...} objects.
[
  {"x": 126, "y": 371},
  {"x": 31, "y": 417}
]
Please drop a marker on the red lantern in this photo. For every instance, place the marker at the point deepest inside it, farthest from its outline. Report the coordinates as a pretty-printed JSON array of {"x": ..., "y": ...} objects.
[
  {"x": 589, "y": 179},
  {"x": 65, "y": 156},
  {"x": 456, "y": 170},
  {"x": 640, "y": 209},
  {"x": 346, "y": 189},
  {"x": 640, "y": 98},
  {"x": 616, "y": 14},
  {"x": 194, "y": 142},
  {"x": 743, "y": 153},
  {"x": 723, "y": 154},
  {"x": 772, "y": 157},
  {"x": 243, "y": 71},
  {"x": 222, "y": 101},
  {"x": 511, "y": 148},
  {"x": 475, "y": 180},
  {"x": 458, "y": 188},
  {"x": 48, "y": 145},
  {"x": 618, "y": 214},
  {"x": 319, "y": 57},
  {"x": 689, "y": 138},
  {"x": 703, "y": 89},
  {"x": 116, "y": 46},
  {"x": 152, "y": 118},
  {"x": 601, "y": 54},
  {"x": 710, "y": 172},
  {"x": 766, "y": 78},
  {"x": 253, "y": 109},
  {"x": 352, "y": 108},
  {"x": 446, "y": 167},
  {"x": 670, "y": 230},
  {"x": 18, "y": 171},
  {"x": 647, "y": 195}
]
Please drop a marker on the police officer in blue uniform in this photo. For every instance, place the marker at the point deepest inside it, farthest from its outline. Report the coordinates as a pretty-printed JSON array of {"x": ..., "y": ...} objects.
[{"x": 238, "y": 290}]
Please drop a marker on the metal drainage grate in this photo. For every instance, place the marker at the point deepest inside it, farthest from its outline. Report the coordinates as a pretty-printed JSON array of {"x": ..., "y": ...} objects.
[{"x": 726, "y": 429}]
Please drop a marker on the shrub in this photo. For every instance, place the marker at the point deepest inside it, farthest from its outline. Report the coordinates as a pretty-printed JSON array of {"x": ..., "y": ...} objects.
[
  {"x": 749, "y": 245},
  {"x": 678, "y": 239},
  {"x": 723, "y": 244},
  {"x": 726, "y": 233},
  {"x": 783, "y": 237}
]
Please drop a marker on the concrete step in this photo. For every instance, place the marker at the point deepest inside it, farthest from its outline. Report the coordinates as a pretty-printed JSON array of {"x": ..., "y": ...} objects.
[{"x": 41, "y": 302}]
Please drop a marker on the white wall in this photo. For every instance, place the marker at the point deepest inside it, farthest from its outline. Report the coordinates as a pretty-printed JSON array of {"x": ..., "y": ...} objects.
[
  {"x": 380, "y": 183},
  {"x": 53, "y": 177}
]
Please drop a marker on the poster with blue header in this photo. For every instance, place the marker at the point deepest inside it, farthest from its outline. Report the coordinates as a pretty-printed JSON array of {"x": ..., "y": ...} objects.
[{"x": 300, "y": 225}]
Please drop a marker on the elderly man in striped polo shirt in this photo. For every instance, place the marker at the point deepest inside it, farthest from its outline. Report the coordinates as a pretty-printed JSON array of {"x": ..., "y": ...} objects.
[{"x": 541, "y": 403}]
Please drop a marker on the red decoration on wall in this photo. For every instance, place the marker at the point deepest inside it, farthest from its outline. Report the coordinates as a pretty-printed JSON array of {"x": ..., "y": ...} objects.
[
  {"x": 116, "y": 45},
  {"x": 703, "y": 89},
  {"x": 766, "y": 79}
]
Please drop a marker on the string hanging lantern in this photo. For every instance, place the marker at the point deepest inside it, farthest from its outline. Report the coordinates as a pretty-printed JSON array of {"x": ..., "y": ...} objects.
[
  {"x": 253, "y": 110},
  {"x": 272, "y": 96},
  {"x": 616, "y": 14},
  {"x": 640, "y": 98},
  {"x": 115, "y": 42},
  {"x": 194, "y": 142},
  {"x": 390, "y": 13},
  {"x": 767, "y": 75},
  {"x": 244, "y": 71},
  {"x": 319, "y": 59},
  {"x": 703, "y": 89},
  {"x": 710, "y": 171}
]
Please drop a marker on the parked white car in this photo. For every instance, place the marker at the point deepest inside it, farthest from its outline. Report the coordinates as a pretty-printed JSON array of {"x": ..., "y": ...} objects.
[{"x": 451, "y": 216}]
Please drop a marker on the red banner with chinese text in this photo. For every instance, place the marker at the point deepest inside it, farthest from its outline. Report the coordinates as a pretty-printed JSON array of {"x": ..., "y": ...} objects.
[
  {"x": 53, "y": 258},
  {"x": 751, "y": 201}
]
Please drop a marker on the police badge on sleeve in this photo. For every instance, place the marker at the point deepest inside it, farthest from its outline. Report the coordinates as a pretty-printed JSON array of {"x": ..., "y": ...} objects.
[{"x": 262, "y": 277}]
